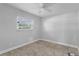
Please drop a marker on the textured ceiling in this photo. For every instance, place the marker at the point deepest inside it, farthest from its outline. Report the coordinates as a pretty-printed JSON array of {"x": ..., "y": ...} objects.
[{"x": 47, "y": 9}]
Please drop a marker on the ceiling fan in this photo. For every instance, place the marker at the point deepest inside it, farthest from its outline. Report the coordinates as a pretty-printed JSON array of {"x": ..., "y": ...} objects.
[{"x": 44, "y": 7}]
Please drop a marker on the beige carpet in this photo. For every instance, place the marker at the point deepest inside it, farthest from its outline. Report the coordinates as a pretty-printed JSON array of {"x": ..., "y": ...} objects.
[{"x": 42, "y": 48}]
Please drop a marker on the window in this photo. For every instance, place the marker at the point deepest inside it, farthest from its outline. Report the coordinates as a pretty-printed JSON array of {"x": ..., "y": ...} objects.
[{"x": 24, "y": 23}]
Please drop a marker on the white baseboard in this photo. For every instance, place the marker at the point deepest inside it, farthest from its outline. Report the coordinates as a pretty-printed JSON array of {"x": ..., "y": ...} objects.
[
  {"x": 73, "y": 46},
  {"x": 4, "y": 51}
]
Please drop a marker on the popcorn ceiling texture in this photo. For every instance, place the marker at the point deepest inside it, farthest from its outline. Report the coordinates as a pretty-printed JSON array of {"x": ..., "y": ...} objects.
[{"x": 42, "y": 48}]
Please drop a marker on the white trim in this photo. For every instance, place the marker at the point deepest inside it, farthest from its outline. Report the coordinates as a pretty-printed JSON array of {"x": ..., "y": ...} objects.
[
  {"x": 69, "y": 45},
  {"x": 15, "y": 47},
  {"x": 4, "y": 51}
]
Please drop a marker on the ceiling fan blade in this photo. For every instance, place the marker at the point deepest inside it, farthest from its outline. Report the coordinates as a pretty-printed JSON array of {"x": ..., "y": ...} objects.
[
  {"x": 45, "y": 6},
  {"x": 49, "y": 10}
]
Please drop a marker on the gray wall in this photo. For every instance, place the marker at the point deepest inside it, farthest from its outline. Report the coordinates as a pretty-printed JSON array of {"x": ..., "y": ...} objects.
[
  {"x": 9, "y": 35},
  {"x": 62, "y": 28}
]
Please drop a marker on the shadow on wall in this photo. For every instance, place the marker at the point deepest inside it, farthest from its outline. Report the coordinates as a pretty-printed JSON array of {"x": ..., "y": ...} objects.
[
  {"x": 10, "y": 36},
  {"x": 62, "y": 28}
]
